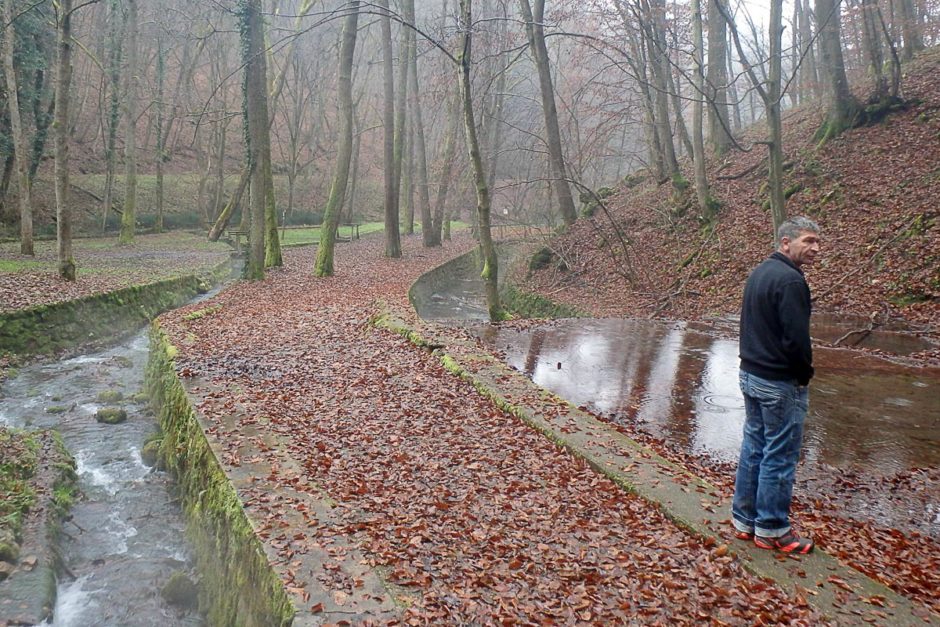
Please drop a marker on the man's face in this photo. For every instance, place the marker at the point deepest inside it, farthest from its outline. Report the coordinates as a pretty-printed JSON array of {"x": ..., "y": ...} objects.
[{"x": 802, "y": 250}]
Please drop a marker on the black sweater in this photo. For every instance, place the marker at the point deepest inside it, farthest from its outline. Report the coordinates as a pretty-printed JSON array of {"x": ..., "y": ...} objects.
[{"x": 775, "y": 342}]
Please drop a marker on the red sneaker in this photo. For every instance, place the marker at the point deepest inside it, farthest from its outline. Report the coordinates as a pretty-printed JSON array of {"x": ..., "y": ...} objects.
[
  {"x": 744, "y": 535},
  {"x": 787, "y": 543}
]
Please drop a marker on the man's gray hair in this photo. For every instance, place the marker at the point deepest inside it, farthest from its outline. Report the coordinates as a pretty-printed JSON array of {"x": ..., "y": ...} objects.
[{"x": 792, "y": 228}]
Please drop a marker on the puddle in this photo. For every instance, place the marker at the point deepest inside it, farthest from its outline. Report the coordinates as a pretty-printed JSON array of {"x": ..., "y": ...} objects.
[
  {"x": 870, "y": 419},
  {"x": 682, "y": 385}
]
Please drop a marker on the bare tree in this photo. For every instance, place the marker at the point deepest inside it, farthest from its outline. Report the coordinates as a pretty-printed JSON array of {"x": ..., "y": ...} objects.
[
  {"x": 257, "y": 114},
  {"x": 19, "y": 139},
  {"x": 392, "y": 236},
  {"x": 334, "y": 207},
  {"x": 487, "y": 248},
  {"x": 536, "y": 36},
  {"x": 128, "y": 218}
]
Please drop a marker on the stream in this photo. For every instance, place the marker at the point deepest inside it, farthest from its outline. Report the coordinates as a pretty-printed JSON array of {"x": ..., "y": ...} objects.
[
  {"x": 872, "y": 436},
  {"x": 126, "y": 535}
]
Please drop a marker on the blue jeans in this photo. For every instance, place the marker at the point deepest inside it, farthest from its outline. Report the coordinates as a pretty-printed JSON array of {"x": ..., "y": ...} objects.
[{"x": 773, "y": 435}]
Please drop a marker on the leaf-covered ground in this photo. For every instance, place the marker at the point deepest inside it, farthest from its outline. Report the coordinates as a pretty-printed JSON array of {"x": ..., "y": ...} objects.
[
  {"x": 103, "y": 266},
  {"x": 481, "y": 518},
  {"x": 873, "y": 191}
]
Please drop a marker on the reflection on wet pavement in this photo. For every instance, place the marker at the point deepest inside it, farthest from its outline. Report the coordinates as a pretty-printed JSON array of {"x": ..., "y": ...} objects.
[{"x": 681, "y": 386}]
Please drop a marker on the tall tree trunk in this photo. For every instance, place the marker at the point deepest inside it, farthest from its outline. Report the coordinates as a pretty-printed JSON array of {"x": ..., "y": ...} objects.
[
  {"x": 871, "y": 22},
  {"x": 129, "y": 218},
  {"x": 911, "y": 29},
  {"x": 769, "y": 91},
  {"x": 719, "y": 124},
  {"x": 536, "y": 36},
  {"x": 401, "y": 116},
  {"x": 490, "y": 272},
  {"x": 698, "y": 139},
  {"x": 777, "y": 200},
  {"x": 675, "y": 90},
  {"x": 354, "y": 176},
  {"x": 256, "y": 89},
  {"x": 61, "y": 134},
  {"x": 447, "y": 166},
  {"x": 659, "y": 61},
  {"x": 392, "y": 235},
  {"x": 115, "y": 38},
  {"x": 16, "y": 126},
  {"x": 406, "y": 190},
  {"x": 161, "y": 148},
  {"x": 420, "y": 147},
  {"x": 843, "y": 107},
  {"x": 733, "y": 95},
  {"x": 809, "y": 74},
  {"x": 334, "y": 206}
]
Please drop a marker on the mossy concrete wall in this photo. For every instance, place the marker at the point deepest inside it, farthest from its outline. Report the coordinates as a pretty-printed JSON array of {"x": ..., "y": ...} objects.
[
  {"x": 96, "y": 319},
  {"x": 238, "y": 587}
]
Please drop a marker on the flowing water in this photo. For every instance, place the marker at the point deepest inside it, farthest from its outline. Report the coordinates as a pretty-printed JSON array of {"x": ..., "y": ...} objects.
[
  {"x": 126, "y": 534},
  {"x": 873, "y": 421}
]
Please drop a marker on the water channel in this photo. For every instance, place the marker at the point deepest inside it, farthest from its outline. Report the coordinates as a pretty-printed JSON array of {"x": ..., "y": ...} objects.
[
  {"x": 870, "y": 419},
  {"x": 125, "y": 536}
]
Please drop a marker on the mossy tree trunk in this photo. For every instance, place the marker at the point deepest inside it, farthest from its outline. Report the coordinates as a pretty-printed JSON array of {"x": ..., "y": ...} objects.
[
  {"x": 61, "y": 136},
  {"x": 334, "y": 206},
  {"x": 20, "y": 152},
  {"x": 843, "y": 107},
  {"x": 490, "y": 272},
  {"x": 257, "y": 113}
]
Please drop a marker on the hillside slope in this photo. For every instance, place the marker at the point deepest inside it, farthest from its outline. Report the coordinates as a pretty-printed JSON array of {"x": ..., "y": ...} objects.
[{"x": 874, "y": 191}]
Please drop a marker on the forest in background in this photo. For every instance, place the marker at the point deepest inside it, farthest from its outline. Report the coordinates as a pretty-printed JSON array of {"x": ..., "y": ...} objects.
[{"x": 420, "y": 110}]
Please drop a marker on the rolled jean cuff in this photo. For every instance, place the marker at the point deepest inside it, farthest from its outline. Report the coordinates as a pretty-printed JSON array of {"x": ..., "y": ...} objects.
[
  {"x": 772, "y": 533},
  {"x": 740, "y": 526}
]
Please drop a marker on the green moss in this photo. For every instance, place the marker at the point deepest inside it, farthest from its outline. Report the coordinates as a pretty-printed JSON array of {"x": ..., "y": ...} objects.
[
  {"x": 542, "y": 258},
  {"x": 56, "y": 409},
  {"x": 93, "y": 319},
  {"x": 202, "y": 313},
  {"x": 529, "y": 305},
  {"x": 110, "y": 396},
  {"x": 792, "y": 189},
  {"x": 238, "y": 585},
  {"x": 180, "y": 591},
  {"x": 111, "y": 415},
  {"x": 679, "y": 182}
]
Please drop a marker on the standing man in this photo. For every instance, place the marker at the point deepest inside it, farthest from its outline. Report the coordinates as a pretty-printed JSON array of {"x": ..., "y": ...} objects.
[{"x": 776, "y": 366}]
